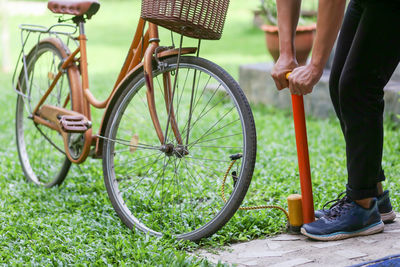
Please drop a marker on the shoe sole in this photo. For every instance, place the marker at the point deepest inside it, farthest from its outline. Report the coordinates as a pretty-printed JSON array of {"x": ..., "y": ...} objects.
[
  {"x": 369, "y": 230},
  {"x": 388, "y": 217}
]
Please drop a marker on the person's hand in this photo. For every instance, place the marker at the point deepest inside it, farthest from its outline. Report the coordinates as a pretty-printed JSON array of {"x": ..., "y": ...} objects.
[
  {"x": 302, "y": 79},
  {"x": 282, "y": 67}
]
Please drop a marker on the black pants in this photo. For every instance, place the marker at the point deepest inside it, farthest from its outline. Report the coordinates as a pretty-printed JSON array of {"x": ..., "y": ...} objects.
[{"x": 367, "y": 53}]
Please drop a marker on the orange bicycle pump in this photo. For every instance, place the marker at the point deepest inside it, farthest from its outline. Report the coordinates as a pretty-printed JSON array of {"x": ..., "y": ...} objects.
[{"x": 303, "y": 157}]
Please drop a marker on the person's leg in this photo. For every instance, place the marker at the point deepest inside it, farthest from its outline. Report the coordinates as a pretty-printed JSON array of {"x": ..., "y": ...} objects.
[
  {"x": 368, "y": 66},
  {"x": 372, "y": 58},
  {"x": 344, "y": 43}
]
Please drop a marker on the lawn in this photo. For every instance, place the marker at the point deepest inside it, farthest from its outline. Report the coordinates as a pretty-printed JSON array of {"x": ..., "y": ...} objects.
[{"x": 76, "y": 224}]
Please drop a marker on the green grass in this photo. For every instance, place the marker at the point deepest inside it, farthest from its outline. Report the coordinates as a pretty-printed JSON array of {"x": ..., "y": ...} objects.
[{"x": 76, "y": 224}]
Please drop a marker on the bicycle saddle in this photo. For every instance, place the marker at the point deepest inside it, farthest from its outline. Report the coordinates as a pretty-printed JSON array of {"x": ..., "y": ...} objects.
[{"x": 74, "y": 7}]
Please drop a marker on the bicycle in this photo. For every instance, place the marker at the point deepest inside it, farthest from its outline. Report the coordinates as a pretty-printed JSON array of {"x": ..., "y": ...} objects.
[{"x": 172, "y": 122}]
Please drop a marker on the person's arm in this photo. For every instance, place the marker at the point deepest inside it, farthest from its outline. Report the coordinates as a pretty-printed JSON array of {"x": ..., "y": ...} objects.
[
  {"x": 330, "y": 16},
  {"x": 303, "y": 79},
  {"x": 288, "y": 17}
]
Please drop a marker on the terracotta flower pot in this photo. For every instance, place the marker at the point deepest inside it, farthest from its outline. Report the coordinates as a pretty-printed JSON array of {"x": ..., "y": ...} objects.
[{"x": 303, "y": 41}]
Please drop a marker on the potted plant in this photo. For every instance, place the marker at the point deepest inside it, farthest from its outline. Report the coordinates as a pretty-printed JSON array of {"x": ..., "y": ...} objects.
[{"x": 304, "y": 33}]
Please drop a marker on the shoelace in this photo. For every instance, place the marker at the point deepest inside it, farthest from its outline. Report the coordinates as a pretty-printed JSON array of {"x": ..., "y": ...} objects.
[
  {"x": 335, "y": 201},
  {"x": 337, "y": 209}
]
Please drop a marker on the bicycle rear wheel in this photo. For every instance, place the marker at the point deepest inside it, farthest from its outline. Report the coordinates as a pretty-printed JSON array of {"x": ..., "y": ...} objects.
[
  {"x": 175, "y": 189},
  {"x": 40, "y": 149}
]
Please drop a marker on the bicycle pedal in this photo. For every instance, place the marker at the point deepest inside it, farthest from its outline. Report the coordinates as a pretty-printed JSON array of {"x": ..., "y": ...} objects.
[{"x": 74, "y": 124}]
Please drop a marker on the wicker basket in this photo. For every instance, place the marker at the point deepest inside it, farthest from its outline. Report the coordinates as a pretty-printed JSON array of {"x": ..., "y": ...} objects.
[{"x": 202, "y": 19}]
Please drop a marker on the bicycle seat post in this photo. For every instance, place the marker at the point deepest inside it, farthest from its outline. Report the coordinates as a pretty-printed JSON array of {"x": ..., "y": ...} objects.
[
  {"x": 80, "y": 21},
  {"x": 81, "y": 25}
]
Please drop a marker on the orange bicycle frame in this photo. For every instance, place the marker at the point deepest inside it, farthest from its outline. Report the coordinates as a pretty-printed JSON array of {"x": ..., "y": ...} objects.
[{"x": 140, "y": 54}]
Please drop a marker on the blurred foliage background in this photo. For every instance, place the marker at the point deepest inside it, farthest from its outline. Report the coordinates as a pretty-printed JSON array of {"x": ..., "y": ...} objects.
[{"x": 76, "y": 224}]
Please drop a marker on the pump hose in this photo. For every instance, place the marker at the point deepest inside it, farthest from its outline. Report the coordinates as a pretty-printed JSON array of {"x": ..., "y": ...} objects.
[{"x": 251, "y": 207}]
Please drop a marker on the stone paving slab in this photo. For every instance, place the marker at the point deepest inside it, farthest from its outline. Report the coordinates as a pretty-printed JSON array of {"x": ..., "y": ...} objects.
[{"x": 287, "y": 250}]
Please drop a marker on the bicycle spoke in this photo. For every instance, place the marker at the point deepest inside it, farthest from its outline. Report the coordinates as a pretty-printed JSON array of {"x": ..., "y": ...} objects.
[
  {"x": 205, "y": 197},
  {"x": 159, "y": 86},
  {"x": 218, "y": 138},
  {"x": 169, "y": 186},
  {"x": 48, "y": 140},
  {"x": 162, "y": 178},
  {"x": 144, "y": 157},
  {"x": 217, "y": 160},
  {"x": 194, "y": 180},
  {"x": 205, "y": 134},
  {"x": 222, "y": 127},
  {"x": 144, "y": 166},
  {"x": 217, "y": 173},
  {"x": 179, "y": 98},
  {"x": 127, "y": 143},
  {"x": 139, "y": 113},
  {"x": 195, "y": 106},
  {"x": 41, "y": 149},
  {"x": 175, "y": 179},
  {"x": 176, "y": 189},
  {"x": 147, "y": 174},
  {"x": 205, "y": 113},
  {"x": 228, "y": 147}
]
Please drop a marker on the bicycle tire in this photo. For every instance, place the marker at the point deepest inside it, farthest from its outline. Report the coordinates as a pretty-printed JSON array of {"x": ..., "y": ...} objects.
[
  {"x": 42, "y": 163},
  {"x": 138, "y": 208}
]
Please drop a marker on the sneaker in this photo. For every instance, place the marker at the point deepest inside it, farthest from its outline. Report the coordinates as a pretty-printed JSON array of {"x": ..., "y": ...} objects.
[
  {"x": 347, "y": 219},
  {"x": 384, "y": 206}
]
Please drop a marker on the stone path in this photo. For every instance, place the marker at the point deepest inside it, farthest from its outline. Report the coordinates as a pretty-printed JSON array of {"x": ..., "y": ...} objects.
[{"x": 296, "y": 250}]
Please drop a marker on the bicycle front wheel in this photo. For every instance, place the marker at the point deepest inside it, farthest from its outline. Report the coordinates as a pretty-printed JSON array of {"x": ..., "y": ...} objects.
[{"x": 175, "y": 188}]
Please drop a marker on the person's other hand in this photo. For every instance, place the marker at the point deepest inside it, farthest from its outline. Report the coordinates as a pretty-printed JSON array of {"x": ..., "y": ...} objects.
[
  {"x": 302, "y": 79},
  {"x": 282, "y": 67}
]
